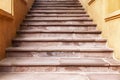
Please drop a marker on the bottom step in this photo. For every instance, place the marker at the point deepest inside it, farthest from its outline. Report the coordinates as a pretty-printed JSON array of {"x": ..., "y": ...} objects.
[{"x": 59, "y": 76}]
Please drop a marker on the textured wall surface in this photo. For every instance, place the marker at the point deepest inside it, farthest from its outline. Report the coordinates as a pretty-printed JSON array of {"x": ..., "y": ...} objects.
[{"x": 99, "y": 10}]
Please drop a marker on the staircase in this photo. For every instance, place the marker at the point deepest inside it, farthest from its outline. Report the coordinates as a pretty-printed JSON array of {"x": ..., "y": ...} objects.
[{"x": 59, "y": 41}]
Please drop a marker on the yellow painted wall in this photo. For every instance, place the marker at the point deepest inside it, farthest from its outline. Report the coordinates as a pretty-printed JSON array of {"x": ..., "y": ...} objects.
[
  {"x": 3, "y": 4},
  {"x": 10, "y": 19},
  {"x": 106, "y": 14}
]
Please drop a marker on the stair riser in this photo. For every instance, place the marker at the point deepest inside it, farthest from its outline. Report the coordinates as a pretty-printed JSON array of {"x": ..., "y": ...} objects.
[
  {"x": 60, "y": 54},
  {"x": 45, "y": 44},
  {"x": 58, "y": 35},
  {"x": 59, "y": 28},
  {"x": 56, "y": 69}
]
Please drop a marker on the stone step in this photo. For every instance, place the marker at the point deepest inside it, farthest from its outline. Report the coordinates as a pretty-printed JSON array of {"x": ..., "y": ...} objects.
[
  {"x": 39, "y": 42},
  {"x": 50, "y": 64},
  {"x": 59, "y": 76},
  {"x": 46, "y": 44},
  {"x": 57, "y": 8},
  {"x": 56, "y": 3},
  {"x": 57, "y": 61},
  {"x": 58, "y": 69},
  {"x": 57, "y": 49},
  {"x": 59, "y": 28},
  {"x": 58, "y": 31},
  {"x": 58, "y": 11},
  {"x": 59, "y": 23},
  {"x": 56, "y": 0},
  {"x": 99, "y": 54},
  {"x": 60, "y": 35},
  {"x": 56, "y": 15},
  {"x": 59, "y": 40},
  {"x": 72, "y": 19}
]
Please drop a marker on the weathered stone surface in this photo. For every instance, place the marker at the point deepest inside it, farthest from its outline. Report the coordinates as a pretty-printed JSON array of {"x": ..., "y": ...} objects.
[
  {"x": 59, "y": 28},
  {"x": 104, "y": 76},
  {"x": 43, "y": 76}
]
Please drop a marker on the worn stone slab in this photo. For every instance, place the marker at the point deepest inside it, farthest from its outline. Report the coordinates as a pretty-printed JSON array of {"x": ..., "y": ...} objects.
[
  {"x": 57, "y": 48},
  {"x": 58, "y": 31},
  {"x": 59, "y": 23},
  {"x": 58, "y": 19},
  {"x": 59, "y": 40},
  {"x": 104, "y": 76},
  {"x": 42, "y": 76},
  {"x": 61, "y": 54},
  {"x": 57, "y": 6},
  {"x": 59, "y": 35},
  {"x": 27, "y": 61},
  {"x": 58, "y": 28},
  {"x": 56, "y": 15},
  {"x": 83, "y": 62},
  {"x": 53, "y": 61}
]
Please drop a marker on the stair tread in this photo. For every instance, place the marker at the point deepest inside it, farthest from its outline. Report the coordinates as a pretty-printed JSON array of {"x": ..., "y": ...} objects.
[
  {"x": 59, "y": 76},
  {"x": 57, "y": 5},
  {"x": 58, "y": 31},
  {"x": 58, "y": 39},
  {"x": 56, "y": 61},
  {"x": 59, "y": 48},
  {"x": 59, "y": 24},
  {"x": 55, "y": 15},
  {"x": 57, "y": 18},
  {"x": 57, "y": 10}
]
